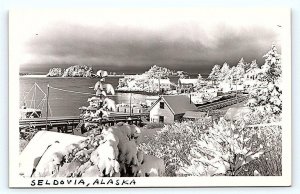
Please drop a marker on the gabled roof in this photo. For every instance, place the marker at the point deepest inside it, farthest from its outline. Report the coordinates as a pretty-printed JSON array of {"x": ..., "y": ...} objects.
[
  {"x": 253, "y": 70},
  {"x": 178, "y": 104},
  {"x": 188, "y": 81}
]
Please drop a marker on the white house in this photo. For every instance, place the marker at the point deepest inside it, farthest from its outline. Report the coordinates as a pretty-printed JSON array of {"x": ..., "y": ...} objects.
[
  {"x": 160, "y": 84},
  {"x": 251, "y": 77},
  {"x": 226, "y": 87},
  {"x": 168, "y": 109}
]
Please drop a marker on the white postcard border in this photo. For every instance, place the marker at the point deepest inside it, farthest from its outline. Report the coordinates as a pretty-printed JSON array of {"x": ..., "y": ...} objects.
[{"x": 285, "y": 180}]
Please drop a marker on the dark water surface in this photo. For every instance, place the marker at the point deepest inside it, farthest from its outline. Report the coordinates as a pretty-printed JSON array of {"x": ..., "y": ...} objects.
[{"x": 65, "y": 103}]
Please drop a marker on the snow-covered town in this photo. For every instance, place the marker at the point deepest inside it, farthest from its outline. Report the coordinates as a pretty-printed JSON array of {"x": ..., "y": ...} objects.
[
  {"x": 215, "y": 109},
  {"x": 124, "y": 95}
]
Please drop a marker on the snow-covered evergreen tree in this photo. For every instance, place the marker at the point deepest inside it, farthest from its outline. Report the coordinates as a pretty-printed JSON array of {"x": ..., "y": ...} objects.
[
  {"x": 272, "y": 67},
  {"x": 266, "y": 97},
  {"x": 199, "y": 82},
  {"x": 215, "y": 73},
  {"x": 241, "y": 63},
  {"x": 239, "y": 71},
  {"x": 224, "y": 72}
]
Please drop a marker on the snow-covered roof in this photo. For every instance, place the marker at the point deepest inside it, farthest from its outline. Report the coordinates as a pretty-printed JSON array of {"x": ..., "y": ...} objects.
[
  {"x": 252, "y": 71},
  {"x": 188, "y": 81},
  {"x": 152, "y": 97},
  {"x": 161, "y": 81},
  {"x": 30, "y": 110}
]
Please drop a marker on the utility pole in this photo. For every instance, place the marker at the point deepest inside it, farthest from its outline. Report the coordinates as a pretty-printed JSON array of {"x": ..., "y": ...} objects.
[
  {"x": 236, "y": 97},
  {"x": 159, "y": 85},
  {"x": 47, "y": 108},
  {"x": 130, "y": 105},
  {"x": 34, "y": 95}
]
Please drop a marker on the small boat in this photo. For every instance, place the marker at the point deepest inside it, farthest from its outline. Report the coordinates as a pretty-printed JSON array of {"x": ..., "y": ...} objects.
[
  {"x": 26, "y": 113},
  {"x": 32, "y": 108}
]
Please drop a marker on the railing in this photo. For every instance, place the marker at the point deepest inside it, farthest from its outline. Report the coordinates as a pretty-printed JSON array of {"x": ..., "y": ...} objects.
[
  {"x": 51, "y": 121},
  {"x": 74, "y": 120}
]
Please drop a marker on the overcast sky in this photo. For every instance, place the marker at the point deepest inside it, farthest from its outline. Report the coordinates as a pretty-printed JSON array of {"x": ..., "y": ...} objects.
[{"x": 133, "y": 40}]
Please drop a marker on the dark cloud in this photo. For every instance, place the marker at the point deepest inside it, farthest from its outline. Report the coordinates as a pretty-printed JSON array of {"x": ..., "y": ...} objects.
[{"x": 123, "y": 48}]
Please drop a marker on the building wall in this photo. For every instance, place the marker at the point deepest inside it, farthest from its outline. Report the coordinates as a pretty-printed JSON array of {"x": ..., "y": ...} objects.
[
  {"x": 156, "y": 111},
  {"x": 126, "y": 109},
  {"x": 165, "y": 86},
  {"x": 178, "y": 117}
]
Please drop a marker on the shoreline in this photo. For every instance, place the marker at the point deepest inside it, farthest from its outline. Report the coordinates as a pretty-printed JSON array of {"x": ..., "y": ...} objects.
[
  {"x": 33, "y": 76},
  {"x": 138, "y": 92},
  {"x": 45, "y": 76}
]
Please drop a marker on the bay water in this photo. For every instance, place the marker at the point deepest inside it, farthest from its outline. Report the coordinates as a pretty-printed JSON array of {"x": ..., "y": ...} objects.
[{"x": 64, "y": 103}]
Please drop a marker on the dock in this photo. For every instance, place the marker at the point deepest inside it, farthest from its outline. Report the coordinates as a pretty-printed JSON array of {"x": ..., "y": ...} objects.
[{"x": 67, "y": 124}]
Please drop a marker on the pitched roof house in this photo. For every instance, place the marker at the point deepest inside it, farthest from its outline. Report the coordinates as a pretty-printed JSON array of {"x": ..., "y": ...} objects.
[
  {"x": 168, "y": 109},
  {"x": 187, "y": 84}
]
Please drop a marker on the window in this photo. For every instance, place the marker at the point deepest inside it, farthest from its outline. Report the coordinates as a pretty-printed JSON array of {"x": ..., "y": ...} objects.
[
  {"x": 161, "y": 105},
  {"x": 161, "y": 119}
]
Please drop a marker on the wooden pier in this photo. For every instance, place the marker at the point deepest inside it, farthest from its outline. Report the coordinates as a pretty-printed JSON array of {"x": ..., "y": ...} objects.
[{"x": 68, "y": 124}]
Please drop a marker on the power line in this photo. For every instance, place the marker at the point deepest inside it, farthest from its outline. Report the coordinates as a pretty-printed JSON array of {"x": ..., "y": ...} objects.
[{"x": 76, "y": 92}]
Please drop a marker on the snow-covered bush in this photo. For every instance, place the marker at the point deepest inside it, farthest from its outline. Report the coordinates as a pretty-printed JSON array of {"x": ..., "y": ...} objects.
[
  {"x": 174, "y": 142},
  {"x": 224, "y": 150},
  {"x": 204, "y": 149},
  {"x": 106, "y": 151}
]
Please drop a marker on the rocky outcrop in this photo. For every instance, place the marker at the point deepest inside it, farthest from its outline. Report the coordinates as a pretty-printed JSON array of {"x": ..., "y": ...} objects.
[
  {"x": 78, "y": 71},
  {"x": 159, "y": 72},
  {"x": 54, "y": 72}
]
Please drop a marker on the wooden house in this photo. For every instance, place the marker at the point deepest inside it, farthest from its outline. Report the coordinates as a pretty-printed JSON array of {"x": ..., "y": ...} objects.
[
  {"x": 187, "y": 85},
  {"x": 170, "y": 108}
]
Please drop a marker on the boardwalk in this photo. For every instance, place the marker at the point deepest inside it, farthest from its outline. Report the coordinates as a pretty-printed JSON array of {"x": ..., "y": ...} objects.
[
  {"x": 222, "y": 103},
  {"x": 68, "y": 124}
]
